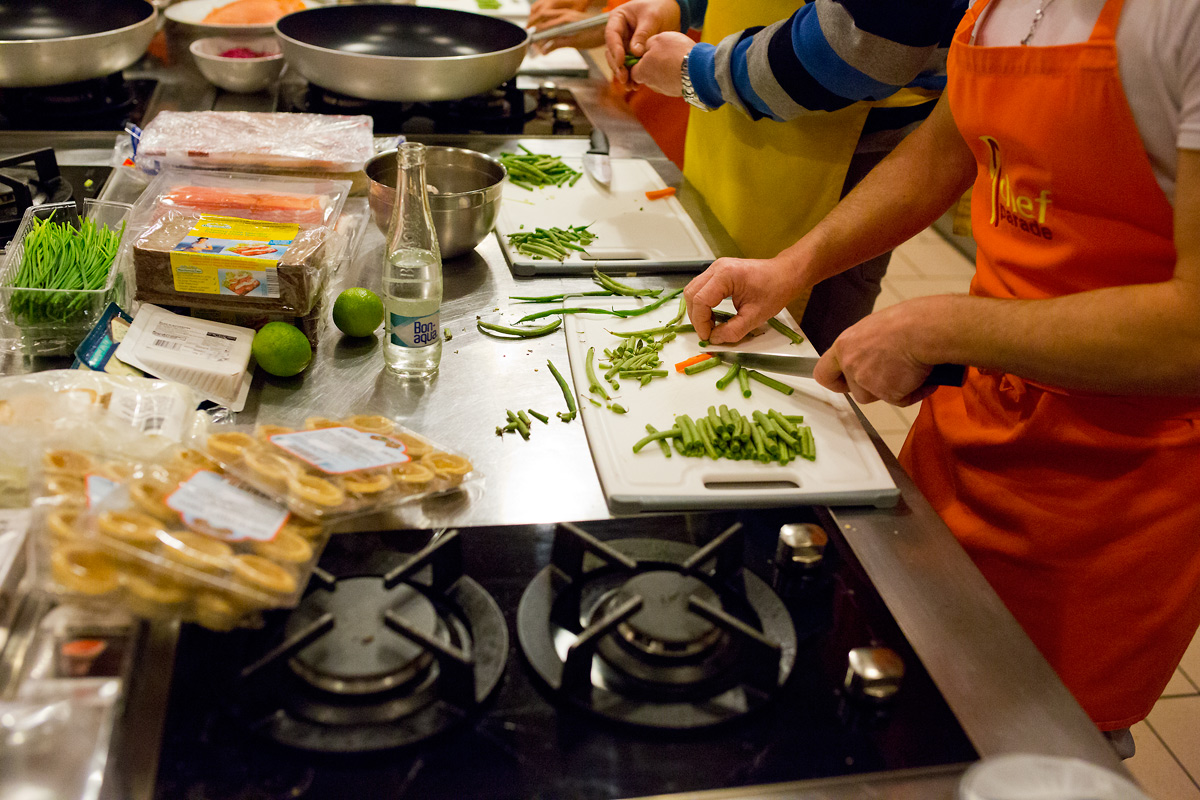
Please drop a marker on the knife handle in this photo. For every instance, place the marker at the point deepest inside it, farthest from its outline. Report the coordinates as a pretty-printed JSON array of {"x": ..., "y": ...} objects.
[{"x": 946, "y": 375}]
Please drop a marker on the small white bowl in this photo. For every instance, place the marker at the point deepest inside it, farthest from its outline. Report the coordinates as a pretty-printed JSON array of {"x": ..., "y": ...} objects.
[{"x": 240, "y": 75}]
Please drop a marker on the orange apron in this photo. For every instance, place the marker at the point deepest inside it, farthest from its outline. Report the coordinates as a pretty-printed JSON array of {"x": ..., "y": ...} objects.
[{"x": 1079, "y": 508}]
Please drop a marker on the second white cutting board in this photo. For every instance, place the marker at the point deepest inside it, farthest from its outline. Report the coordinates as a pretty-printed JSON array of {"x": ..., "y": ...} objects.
[
  {"x": 633, "y": 234},
  {"x": 847, "y": 469}
]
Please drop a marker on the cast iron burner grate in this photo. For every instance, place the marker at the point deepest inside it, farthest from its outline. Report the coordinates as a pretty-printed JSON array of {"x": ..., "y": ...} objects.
[
  {"x": 654, "y": 633},
  {"x": 372, "y": 662}
]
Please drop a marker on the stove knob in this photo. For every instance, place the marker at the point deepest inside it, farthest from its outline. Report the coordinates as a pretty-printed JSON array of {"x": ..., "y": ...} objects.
[
  {"x": 874, "y": 673},
  {"x": 547, "y": 93},
  {"x": 801, "y": 546}
]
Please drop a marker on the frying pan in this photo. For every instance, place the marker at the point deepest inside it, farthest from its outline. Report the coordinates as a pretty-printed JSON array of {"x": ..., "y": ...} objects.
[
  {"x": 401, "y": 53},
  {"x": 47, "y": 42}
]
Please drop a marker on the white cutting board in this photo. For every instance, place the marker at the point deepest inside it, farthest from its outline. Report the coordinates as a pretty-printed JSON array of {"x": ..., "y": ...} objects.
[
  {"x": 633, "y": 234},
  {"x": 566, "y": 61},
  {"x": 847, "y": 469}
]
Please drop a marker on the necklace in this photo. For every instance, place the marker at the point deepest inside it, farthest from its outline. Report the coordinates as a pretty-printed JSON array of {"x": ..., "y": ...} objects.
[{"x": 1037, "y": 17}]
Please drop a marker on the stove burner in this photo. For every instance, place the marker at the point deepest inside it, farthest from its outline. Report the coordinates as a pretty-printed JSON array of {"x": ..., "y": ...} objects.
[
  {"x": 376, "y": 662},
  {"x": 95, "y": 104},
  {"x": 29, "y": 179},
  {"x": 637, "y": 631},
  {"x": 360, "y": 655},
  {"x": 663, "y": 626}
]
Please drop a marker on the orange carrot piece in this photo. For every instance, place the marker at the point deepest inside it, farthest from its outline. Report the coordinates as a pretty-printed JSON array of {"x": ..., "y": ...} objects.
[
  {"x": 659, "y": 194},
  {"x": 682, "y": 365}
]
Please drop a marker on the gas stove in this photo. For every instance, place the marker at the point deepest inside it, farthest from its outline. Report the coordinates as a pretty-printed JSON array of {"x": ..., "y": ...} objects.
[
  {"x": 615, "y": 658},
  {"x": 509, "y": 110},
  {"x": 100, "y": 104}
]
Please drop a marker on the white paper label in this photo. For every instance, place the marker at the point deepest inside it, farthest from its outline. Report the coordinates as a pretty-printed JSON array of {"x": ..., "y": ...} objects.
[
  {"x": 209, "y": 345},
  {"x": 336, "y": 451},
  {"x": 209, "y": 504},
  {"x": 163, "y": 414}
]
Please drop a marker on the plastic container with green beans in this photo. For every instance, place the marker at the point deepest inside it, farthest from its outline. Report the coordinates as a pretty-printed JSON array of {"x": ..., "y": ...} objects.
[{"x": 60, "y": 273}]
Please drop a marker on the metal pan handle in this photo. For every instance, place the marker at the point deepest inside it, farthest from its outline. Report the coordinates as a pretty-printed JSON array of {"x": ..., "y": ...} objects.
[{"x": 570, "y": 28}]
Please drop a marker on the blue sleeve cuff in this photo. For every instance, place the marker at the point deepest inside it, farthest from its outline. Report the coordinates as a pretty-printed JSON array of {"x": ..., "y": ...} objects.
[{"x": 703, "y": 72}]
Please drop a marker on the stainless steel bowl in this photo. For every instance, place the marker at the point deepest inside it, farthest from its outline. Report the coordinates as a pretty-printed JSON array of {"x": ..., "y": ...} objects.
[{"x": 464, "y": 207}]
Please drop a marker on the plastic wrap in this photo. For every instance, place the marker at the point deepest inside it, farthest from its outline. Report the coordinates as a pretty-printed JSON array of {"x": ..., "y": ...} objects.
[
  {"x": 248, "y": 140},
  {"x": 337, "y": 469},
  {"x": 170, "y": 538},
  {"x": 128, "y": 416},
  {"x": 237, "y": 243}
]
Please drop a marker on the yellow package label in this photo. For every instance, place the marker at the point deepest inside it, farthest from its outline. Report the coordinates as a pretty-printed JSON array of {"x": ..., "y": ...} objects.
[{"x": 231, "y": 256}]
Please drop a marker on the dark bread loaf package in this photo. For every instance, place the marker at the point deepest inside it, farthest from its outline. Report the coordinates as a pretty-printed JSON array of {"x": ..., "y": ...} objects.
[{"x": 174, "y": 266}]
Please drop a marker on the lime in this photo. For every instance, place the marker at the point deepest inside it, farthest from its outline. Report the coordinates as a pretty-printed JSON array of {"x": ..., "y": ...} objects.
[
  {"x": 357, "y": 312},
  {"x": 281, "y": 349}
]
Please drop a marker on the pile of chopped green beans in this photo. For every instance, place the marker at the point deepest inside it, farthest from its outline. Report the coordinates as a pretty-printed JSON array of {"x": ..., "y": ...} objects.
[
  {"x": 519, "y": 423},
  {"x": 63, "y": 261},
  {"x": 531, "y": 170},
  {"x": 727, "y": 433},
  {"x": 552, "y": 243}
]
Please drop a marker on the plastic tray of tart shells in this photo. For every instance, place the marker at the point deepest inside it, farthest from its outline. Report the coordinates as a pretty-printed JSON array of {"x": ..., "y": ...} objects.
[
  {"x": 112, "y": 532},
  {"x": 334, "y": 469}
]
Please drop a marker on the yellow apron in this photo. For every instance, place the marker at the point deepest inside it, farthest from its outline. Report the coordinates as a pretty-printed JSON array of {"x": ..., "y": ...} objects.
[{"x": 770, "y": 182}]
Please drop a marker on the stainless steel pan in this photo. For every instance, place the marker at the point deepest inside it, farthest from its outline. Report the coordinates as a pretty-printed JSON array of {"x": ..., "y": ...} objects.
[
  {"x": 402, "y": 53},
  {"x": 48, "y": 42}
]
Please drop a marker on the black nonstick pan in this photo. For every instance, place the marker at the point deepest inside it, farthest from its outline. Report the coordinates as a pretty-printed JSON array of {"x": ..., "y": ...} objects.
[
  {"x": 48, "y": 42},
  {"x": 402, "y": 53}
]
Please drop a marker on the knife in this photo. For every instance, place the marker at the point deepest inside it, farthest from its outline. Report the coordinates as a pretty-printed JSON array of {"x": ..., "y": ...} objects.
[
  {"x": 940, "y": 375},
  {"x": 596, "y": 162}
]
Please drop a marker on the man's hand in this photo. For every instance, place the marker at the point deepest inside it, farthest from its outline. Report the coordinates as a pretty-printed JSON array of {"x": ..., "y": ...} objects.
[
  {"x": 630, "y": 25},
  {"x": 873, "y": 359},
  {"x": 759, "y": 288},
  {"x": 548, "y": 13},
  {"x": 662, "y": 62}
]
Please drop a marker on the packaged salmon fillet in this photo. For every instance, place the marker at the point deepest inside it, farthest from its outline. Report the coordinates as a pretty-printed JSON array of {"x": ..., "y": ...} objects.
[
  {"x": 249, "y": 140},
  {"x": 237, "y": 243}
]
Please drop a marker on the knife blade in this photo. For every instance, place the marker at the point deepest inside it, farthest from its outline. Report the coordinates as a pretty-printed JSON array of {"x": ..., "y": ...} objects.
[
  {"x": 940, "y": 375},
  {"x": 596, "y": 162}
]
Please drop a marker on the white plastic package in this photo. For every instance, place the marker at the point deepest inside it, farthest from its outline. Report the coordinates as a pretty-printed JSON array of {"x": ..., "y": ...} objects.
[{"x": 244, "y": 140}]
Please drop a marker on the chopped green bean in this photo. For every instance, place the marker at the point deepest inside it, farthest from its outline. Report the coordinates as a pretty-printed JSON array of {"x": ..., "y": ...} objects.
[
  {"x": 544, "y": 419},
  {"x": 568, "y": 395},
  {"x": 729, "y": 376},
  {"x": 593, "y": 384},
  {"x": 785, "y": 330},
  {"x": 659, "y": 436},
  {"x": 743, "y": 379},
  {"x": 768, "y": 381},
  {"x": 700, "y": 366}
]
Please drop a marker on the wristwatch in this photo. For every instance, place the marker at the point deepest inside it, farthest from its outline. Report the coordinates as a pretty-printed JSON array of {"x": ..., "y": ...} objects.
[{"x": 689, "y": 92}]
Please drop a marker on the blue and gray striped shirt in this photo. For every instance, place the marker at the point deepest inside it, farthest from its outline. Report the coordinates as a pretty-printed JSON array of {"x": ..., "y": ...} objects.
[{"x": 827, "y": 55}]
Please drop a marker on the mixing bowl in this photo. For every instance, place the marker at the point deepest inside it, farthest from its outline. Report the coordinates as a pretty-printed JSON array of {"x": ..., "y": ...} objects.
[
  {"x": 239, "y": 75},
  {"x": 465, "y": 202}
]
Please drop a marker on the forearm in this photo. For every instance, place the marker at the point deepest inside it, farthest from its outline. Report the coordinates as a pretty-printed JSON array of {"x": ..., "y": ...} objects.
[
  {"x": 899, "y": 198},
  {"x": 1141, "y": 339}
]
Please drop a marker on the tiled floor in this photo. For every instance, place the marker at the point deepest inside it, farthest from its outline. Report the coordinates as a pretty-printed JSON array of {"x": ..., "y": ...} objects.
[{"x": 1167, "y": 763}]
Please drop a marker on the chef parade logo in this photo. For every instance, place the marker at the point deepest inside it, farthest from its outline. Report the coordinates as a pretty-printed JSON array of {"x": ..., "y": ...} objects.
[{"x": 1025, "y": 211}]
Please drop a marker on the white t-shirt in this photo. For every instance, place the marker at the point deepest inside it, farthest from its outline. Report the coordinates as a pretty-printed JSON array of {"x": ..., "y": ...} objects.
[{"x": 1158, "y": 55}]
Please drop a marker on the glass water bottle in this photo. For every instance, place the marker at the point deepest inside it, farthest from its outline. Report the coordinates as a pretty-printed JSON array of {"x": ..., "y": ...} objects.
[{"x": 412, "y": 273}]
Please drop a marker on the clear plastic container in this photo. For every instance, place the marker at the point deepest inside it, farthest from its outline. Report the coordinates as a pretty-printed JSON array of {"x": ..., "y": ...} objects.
[
  {"x": 170, "y": 539},
  {"x": 331, "y": 470},
  {"x": 50, "y": 321}
]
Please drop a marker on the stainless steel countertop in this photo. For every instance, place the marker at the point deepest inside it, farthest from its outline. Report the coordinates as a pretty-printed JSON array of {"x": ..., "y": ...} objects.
[{"x": 1003, "y": 692}]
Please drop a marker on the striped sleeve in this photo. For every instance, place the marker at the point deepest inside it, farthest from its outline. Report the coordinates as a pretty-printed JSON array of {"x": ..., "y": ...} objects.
[{"x": 827, "y": 55}]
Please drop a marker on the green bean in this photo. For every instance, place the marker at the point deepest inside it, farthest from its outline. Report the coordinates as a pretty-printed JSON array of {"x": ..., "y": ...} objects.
[
  {"x": 631, "y": 59},
  {"x": 785, "y": 330},
  {"x": 808, "y": 446},
  {"x": 593, "y": 384},
  {"x": 657, "y": 436},
  {"x": 743, "y": 379},
  {"x": 608, "y": 282},
  {"x": 522, "y": 424},
  {"x": 783, "y": 422},
  {"x": 491, "y": 329},
  {"x": 700, "y": 366},
  {"x": 568, "y": 395},
  {"x": 558, "y": 298},
  {"x": 617, "y": 408},
  {"x": 667, "y": 329},
  {"x": 767, "y": 381},
  {"x": 544, "y": 419},
  {"x": 521, "y": 415},
  {"x": 729, "y": 376},
  {"x": 551, "y": 312}
]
